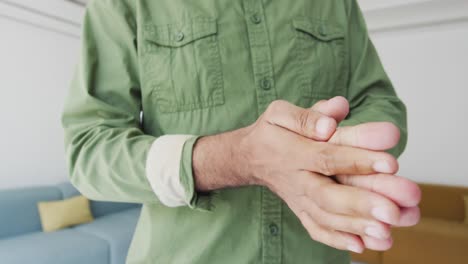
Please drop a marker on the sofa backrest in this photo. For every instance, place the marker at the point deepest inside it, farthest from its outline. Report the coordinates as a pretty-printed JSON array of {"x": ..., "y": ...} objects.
[
  {"x": 444, "y": 202},
  {"x": 98, "y": 208},
  {"x": 19, "y": 213},
  {"x": 18, "y": 209}
]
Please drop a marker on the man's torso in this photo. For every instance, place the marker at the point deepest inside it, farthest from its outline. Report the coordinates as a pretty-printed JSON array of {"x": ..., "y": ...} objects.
[{"x": 215, "y": 65}]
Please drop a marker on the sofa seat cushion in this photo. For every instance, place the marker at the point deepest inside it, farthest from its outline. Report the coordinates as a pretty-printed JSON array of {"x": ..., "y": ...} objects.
[
  {"x": 65, "y": 246},
  {"x": 117, "y": 229}
]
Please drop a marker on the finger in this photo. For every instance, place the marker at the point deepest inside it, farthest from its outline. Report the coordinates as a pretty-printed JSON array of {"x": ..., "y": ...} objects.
[
  {"x": 335, "y": 239},
  {"x": 373, "y": 136},
  {"x": 337, "y": 108},
  {"x": 352, "y": 225},
  {"x": 400, "y": 190},
  {"x": 304, "y": 122},
  {"x": 330, "y": 159},
  {"x": 409, "y": 216},
  {"x": 356, "y": 202},
  {"x": 377, "y": 244}
]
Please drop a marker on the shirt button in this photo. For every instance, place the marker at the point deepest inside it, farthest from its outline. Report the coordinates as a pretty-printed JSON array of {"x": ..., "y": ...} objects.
[
  {"x": 179, "y": 36},
  {"x": 265, "y": 84},
  {"x": 274, "y": 229},
  {"x": 256, "y": 18}
]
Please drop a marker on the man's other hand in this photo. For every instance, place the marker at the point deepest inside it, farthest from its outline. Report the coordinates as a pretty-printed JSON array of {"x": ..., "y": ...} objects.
[{"x": 287, "y": 151}]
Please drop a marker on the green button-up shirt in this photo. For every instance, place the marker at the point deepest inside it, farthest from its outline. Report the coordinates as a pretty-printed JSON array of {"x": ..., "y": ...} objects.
[{"x": 205, "y": 67}]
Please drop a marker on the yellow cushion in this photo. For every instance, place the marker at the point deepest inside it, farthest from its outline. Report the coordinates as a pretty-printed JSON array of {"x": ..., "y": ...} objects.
[
  {"x": 56, "y": 215},
  {"x": 466, "y": 209}
]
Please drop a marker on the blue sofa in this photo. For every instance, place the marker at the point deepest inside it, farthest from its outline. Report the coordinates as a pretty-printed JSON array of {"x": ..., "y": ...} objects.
[{"x": 105, "y": 240}]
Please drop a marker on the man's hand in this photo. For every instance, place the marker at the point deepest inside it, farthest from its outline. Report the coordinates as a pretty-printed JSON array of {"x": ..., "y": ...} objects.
[
  {"x": 378, "y": 136},
  {"x": 284, "y": 150},
  {"x": 293, "y": 164}
]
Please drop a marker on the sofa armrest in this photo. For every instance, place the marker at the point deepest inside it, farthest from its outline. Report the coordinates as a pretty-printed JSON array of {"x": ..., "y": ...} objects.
[
  {"x": 18, "y": 207},
  {"x": 432, "y": 241},
  {"x": 98, "y": 208},
  {"x": 368, "y": 257}
]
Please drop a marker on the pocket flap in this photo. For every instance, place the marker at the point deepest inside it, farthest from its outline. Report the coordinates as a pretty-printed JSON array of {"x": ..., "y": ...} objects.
[
  {"x": 318, "y": 29},
  {"x": 180, "y": 34}
]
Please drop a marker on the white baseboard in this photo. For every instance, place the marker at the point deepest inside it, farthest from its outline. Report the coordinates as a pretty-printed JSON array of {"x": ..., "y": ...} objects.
[
  {"x": 416, "y": 14},
  {"x": 381, "y": 15},
  {"x": 59, "y": 16}
]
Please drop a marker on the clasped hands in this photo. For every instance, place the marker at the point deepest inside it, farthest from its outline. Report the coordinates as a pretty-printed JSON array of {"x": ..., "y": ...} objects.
[{"x": 294, "y": 151}]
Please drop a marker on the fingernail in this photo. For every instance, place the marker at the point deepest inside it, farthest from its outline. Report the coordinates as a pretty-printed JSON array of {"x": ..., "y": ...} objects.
[
  {"x": 409, "y": 216},
  {"x": 382, "y": 166},
  {"x": 375, "y": 232},
  {"x": 355, "y": 249},
  {"x": 324, "y": 126},
  {"x": 381, "y": 214}
]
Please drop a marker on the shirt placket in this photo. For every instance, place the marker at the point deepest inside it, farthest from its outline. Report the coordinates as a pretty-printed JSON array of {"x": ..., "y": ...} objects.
[{"x": 260, "y": 50}]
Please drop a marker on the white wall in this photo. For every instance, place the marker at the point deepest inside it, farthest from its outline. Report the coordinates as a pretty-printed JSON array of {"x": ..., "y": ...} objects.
[
  {"x": 36, "y": 66},
  {"x": 424, "y": 47}
]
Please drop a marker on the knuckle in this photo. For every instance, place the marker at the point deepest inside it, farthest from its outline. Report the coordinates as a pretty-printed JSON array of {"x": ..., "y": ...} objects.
[
  {"x": 335, "y": 240},
  {"x": 314, "y": 230},
  {"x": 355, "y": 136},
  {"x": 275, "y": 107},
  {"x": 321, "y": 102},
  {"x": 321, "y": 219},
  {"x": 349, "y": 180},
  {"x": 325, "y": 161},
  {"x": 315, "y": 234},
  {"x": 337, "y": 243},
  {"x": 359, "y": 208},
  {"x": 303, "y": 121},
  {"x": 318, "y": 105},
  {"x": 355, "y": 166},
  {"x": 321, "y": 198},
  {"x": 356, "y": 227},
  {"x": 337, "y": 222},
  {"x": 338, "y": 136},
  {"x": 373, "y": 183},
  {"x": 311, "y": 229}
]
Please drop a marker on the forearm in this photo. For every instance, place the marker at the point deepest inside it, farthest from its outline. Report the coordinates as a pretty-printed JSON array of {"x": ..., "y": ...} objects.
[{"x": 218, "y": 162}]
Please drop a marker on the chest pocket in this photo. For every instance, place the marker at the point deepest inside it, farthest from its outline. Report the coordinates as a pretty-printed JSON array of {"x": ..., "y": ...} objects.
[
  {"x": 320, "y": 48},
  {"x": 182, "y": 65}
]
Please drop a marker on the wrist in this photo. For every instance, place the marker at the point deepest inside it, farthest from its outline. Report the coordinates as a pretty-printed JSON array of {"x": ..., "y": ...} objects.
[
  {"x": 241, "y": 157},
  {"x": 251, "y": 158},
  {"x": 219, "y": 162}
]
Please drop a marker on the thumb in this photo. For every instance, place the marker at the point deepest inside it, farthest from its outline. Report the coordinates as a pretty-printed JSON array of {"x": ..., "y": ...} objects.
[
  {"x": 373, "y": 136},
  {"x": 336, "y": 108}
]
